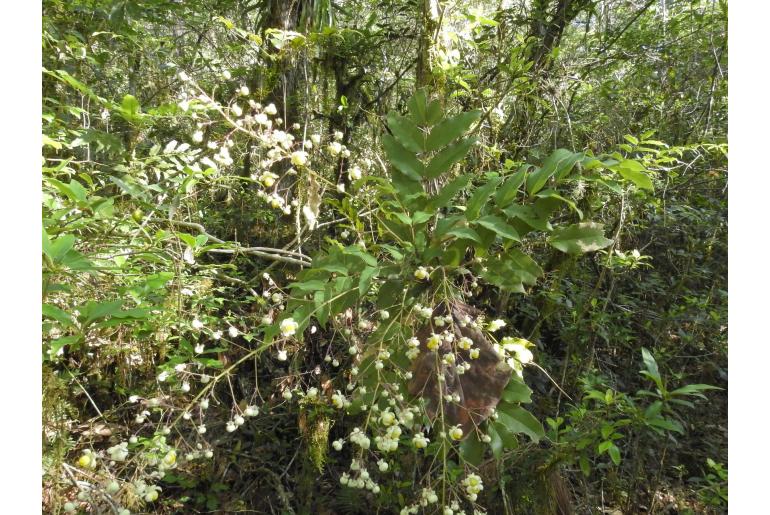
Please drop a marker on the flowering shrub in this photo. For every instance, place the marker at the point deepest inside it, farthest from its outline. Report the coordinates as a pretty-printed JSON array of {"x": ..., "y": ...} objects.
[
  {"x": 274, "y": 282},
  {"x": 422, "y": 372}
]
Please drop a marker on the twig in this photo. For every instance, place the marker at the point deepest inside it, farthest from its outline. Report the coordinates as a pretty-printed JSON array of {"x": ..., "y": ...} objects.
[{"x": 264, "y": 252}]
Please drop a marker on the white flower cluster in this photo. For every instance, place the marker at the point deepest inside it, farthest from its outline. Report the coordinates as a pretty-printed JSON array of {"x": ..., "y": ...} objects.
[
  {"x": 516, "y": 353},
  {"x": 434, "y": 341},
  {"x": 454, "y": 397},
  {"x": 339, "y": 401},
  {"x": 118, "y": 452},
  {"x": 442, "y": 321},
  {"x": 88, "y": 459},
  {"x": 428, "y": 496},
  {"x": 288, "y": 327},
  {"x": 355, "y": 173},
  {"x": 414, "y": 348},
  {"x": 359, "y": 438},
  {"x": 363, "y": 480},
  {"x": 239, "y": 420},
  {"x": 495, "y": 325},
  {"x": 148, "y": 492},
  {"x": 423, "y": 311},
  {"x": 267, "y": 179},
  {"x": 473, "y": 485},
  {"x": 420, "y": 441},
  {"x": 389, "y": 441}
]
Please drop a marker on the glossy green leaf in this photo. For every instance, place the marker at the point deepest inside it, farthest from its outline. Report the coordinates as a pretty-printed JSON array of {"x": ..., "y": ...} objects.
[
  {"x": 507, "y": 192},
  {"x": 308, "y": 286},
  {"x": 480, "y": 197},
  {"x": 507, "y": 435},
  {"x": 54, "y": 313},
  {"x": 694, "y": 389},
  {"x": 527, "y": 215},
  {"x": 365, "y": 281},
  {"x": 525, "y": 268},
  {"x": 130, "y": 109},
  {"x": 472, "y": 449},
  {"x": 519, "y": 420},
  {"x": 579, "y": 238},
  {"x": 465, "y": 233},
  {"x": 59, "y": 247},
  {"x": 651, "y": 365},
  {"x": 434, "y": 113},
  {"x": 418, "y": 107},
  {"x": 443, "y": 161},
  {"x": 401, "y": 158},
  {"x": 552, "y": 194},
  {"x": 517, "y": 391},
  {"x": 406, "y": 132},
  {"x": 499, "y": 226},
  {"x": 585, "y": 466},
  {"x": 559, "y": 163},
  {"x": 447, "y": 193},
  {"x": 633, "y": 171},
  {"x": 93, "y": 311},
  {"x": 496, "y": 442},
  {"x": 444, "y": 225},
  {"x": 450, "y": 129}
]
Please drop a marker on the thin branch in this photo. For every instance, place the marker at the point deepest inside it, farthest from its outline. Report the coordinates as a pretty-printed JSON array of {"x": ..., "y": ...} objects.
[{"x": 296, "y": 258}]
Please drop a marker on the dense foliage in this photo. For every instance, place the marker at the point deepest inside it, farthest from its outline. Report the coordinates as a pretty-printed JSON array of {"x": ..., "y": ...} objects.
[{"x": 421, "y": 256}]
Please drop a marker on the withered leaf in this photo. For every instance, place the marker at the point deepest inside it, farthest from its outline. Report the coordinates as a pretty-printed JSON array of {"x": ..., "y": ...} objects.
[{"x": 479, "y": 388}]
